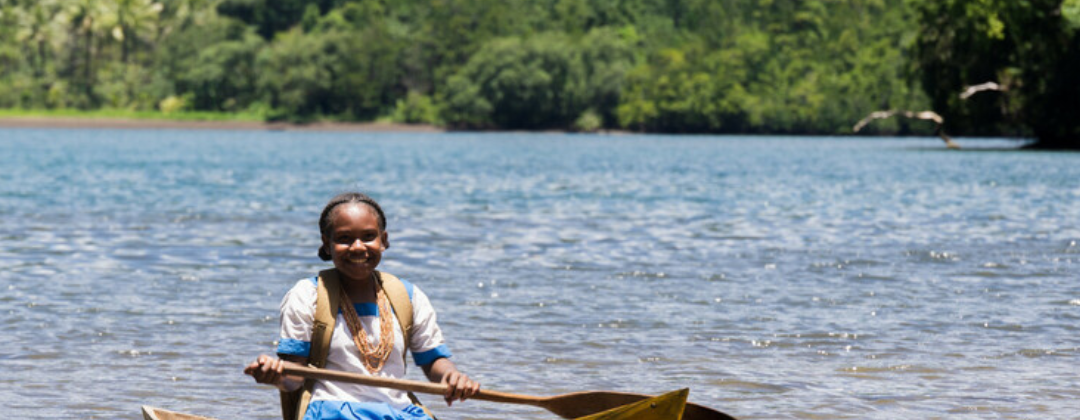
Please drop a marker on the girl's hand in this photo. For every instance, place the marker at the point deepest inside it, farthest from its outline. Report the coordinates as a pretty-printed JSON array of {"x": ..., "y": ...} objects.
[
  {"x": 267, "y": 370},
  {"x": 459, "y": 387}
]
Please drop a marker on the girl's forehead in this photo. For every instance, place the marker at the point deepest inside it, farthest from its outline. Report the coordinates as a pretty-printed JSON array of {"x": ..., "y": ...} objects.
[{"x": 353, "y": 210}]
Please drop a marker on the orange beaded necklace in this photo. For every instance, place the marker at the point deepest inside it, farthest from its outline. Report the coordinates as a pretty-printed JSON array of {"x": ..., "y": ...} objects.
[{"x": 373, "y": 356}]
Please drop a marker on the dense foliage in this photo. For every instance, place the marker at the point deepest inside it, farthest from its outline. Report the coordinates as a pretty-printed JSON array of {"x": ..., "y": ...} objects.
[
  {"x": 809, "y": 66},
  {"x": 1030, "y": 48}
]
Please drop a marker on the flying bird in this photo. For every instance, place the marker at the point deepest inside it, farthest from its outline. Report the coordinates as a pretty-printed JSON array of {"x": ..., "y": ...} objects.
[{"x": 924, "y": 115}]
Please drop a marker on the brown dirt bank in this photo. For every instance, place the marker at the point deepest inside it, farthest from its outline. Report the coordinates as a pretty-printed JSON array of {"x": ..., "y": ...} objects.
[{"x": 121, "y": 123}]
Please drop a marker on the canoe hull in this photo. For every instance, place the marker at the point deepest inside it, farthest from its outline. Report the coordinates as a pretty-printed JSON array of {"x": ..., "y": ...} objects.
[
  {"x": 154, "y": 413},
  {"x": 670, "y": 406}
]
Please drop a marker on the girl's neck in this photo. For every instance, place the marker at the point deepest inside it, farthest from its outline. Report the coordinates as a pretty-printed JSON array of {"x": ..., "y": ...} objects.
[{"x": 360, "y": 290}]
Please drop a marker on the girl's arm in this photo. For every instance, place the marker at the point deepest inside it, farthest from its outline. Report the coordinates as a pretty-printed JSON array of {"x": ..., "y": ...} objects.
[{"x": 459, "y": 386}]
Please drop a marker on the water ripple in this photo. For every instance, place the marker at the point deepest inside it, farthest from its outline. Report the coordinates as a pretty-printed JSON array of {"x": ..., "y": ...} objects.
[{"x": 775, "y": 277}]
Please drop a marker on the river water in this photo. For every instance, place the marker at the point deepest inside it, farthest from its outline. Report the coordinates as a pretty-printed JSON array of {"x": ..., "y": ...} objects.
[{"x": 775, "y": 277}]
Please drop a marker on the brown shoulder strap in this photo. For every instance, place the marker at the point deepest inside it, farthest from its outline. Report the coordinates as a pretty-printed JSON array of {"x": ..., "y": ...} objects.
[
  {"x": 326, "y": 308},
  {"x": 399, "y": 301},
  {"x": 294, "y": 404},
  {"x": 403, "y": 310}
]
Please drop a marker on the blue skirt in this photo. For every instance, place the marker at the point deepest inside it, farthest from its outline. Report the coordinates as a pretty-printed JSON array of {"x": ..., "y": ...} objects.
[{"x": 343, "y": 410}]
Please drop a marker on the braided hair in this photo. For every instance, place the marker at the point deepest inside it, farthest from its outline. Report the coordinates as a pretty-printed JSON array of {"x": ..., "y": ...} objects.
[{"x": 345, "y": 198}]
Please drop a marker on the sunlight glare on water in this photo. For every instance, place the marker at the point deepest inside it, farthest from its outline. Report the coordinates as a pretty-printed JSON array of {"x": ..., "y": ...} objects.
[{"x": 775, "y": 277}]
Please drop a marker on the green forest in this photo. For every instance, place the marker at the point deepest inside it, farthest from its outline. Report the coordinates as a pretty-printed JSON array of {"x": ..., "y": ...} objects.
[{"x": 672, "y": 66}]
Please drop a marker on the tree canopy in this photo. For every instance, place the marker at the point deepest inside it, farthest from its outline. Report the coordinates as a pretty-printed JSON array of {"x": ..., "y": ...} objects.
[
  {"x": 703, "y": 66},
  {"x": 1031, "y": 49}
]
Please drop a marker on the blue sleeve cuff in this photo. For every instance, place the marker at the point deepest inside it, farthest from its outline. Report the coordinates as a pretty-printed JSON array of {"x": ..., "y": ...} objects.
[
  {"x": 430, "y": 356},
  {"x": 294, "y": 347}
]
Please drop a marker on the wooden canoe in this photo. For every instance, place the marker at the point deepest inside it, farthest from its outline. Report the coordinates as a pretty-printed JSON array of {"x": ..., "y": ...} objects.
[
  {"x": 669, "y": 406},
  {"x": 154, "y": 413}
]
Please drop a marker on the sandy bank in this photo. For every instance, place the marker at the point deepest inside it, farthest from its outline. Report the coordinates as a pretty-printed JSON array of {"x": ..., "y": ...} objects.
[{"x": 120, "y": 123}]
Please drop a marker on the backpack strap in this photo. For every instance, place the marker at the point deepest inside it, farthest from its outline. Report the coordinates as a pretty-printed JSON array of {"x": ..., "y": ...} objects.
[
  {"x": 400, "y": 303},
  {"x": 326, "y": 309},
  {"x": 398, "y": 296},
  {"x": 294, "y": 404}
]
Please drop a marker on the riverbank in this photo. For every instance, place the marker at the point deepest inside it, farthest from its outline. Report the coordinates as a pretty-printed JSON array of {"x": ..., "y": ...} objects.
[
  {"x": 216, "y": 121},
  {"x": 94, "y": 122}
]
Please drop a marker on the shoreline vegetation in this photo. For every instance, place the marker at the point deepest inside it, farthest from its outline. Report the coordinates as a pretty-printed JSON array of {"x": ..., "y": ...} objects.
[
  {"x": 811, "y": 67},
  {"x": 121, "y": 119},
  {"x": 652, "y": 66}
]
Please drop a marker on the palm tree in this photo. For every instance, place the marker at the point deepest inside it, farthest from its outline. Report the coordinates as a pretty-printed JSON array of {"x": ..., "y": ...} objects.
[
  {"x": 86, "y": 20},
  {"x": 133, "y": 19},
  {"x": 179, "y": 14},
  {"x": 39, "y": 33},
  {"x": 10, "y": 56}
]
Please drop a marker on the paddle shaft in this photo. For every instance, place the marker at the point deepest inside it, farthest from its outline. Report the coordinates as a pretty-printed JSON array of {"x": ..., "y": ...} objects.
[
  {"x": 407, "y": 385},
  {"x": 566, "y": 405}
]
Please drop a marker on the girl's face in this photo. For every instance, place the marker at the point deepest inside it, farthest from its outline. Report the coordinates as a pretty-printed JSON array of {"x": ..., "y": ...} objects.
[{"x": 355, "y": 241}]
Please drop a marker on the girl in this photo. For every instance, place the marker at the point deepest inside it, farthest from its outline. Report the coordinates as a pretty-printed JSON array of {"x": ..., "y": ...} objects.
[{"x": 367, "y": 337}]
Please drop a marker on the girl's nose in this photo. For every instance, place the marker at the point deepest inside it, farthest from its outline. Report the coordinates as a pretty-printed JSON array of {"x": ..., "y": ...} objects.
[{"x": 357, "y": 244}]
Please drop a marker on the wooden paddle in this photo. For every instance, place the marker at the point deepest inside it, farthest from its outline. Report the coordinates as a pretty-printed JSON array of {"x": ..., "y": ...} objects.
[{"x": 567, "y": 406}]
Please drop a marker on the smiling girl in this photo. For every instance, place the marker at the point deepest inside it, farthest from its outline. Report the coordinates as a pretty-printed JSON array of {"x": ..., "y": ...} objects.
[{"x": 367, "y": 338}]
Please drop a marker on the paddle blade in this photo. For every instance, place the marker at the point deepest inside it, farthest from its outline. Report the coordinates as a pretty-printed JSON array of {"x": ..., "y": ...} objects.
[
  {"x": 665, "y": 407},
  {"x": 581, "y": 404}
]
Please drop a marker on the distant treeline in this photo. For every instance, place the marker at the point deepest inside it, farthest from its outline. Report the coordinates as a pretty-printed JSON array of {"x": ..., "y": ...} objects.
[{"x": 734, "y": 66}]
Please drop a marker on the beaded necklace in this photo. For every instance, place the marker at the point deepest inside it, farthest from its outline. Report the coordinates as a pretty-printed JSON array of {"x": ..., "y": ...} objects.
[{"x": 373, "y": 357}]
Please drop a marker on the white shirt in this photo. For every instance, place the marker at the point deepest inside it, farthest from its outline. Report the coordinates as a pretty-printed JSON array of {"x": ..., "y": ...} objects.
[{"x": 298, "y": 316}]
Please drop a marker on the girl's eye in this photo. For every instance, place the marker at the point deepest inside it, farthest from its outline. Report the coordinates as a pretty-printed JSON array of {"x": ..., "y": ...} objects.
[{"x": 350, "y": 239}]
